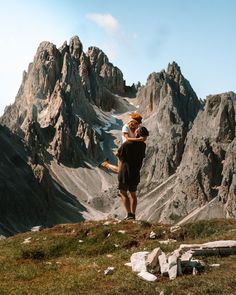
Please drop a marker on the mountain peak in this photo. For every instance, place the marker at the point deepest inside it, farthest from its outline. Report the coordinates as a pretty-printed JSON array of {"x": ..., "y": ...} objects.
[
  {"x": 76, "y": 47},
  {"x": 173, "y": 68}
]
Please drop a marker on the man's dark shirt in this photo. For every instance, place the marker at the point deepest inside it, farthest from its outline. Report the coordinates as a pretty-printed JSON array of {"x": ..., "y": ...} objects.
[{"x": 131, "y": 154}]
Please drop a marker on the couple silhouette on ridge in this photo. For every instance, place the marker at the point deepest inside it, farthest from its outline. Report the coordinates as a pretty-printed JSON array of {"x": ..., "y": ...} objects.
[{"x": 130, "y": 158}]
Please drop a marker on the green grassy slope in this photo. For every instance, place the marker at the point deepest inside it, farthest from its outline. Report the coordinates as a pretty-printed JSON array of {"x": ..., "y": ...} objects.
[{"x": 71, "y": 259}]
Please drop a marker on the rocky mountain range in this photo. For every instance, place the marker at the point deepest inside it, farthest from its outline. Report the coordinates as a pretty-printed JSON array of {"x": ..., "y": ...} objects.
[{"x": 67, "y": 117}]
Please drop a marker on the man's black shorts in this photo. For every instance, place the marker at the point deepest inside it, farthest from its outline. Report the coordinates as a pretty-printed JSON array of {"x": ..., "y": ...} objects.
[{"x": 126, "y": 187}]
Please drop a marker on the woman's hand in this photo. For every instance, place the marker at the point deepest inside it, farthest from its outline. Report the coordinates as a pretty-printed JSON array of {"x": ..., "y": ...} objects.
[{"x": 137, "y": 139}]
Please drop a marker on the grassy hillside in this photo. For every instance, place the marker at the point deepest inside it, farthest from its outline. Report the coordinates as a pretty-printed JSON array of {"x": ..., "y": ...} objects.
[{"x": 71, "y": 259}]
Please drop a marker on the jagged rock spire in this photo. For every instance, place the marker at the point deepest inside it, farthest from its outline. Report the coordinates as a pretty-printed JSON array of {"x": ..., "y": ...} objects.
[
  {"x": 170, "y": 106},
  {"x": 61, "y": 84},
  {"x": 75, "y": 47}
]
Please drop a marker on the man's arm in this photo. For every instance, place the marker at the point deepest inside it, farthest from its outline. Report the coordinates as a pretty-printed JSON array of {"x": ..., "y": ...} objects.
[
  {"x": 121, "y": 153},
  {"x": 139, "y": 139}
]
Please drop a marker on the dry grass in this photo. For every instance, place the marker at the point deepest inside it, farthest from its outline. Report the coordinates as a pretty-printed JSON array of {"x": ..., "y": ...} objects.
[{"x": 57, "y": 262}]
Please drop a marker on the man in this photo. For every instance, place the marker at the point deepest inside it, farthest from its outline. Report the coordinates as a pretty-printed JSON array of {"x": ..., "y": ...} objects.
[
  {"x": 128, "y": 133},
  {"x": 131, "y": 155}
]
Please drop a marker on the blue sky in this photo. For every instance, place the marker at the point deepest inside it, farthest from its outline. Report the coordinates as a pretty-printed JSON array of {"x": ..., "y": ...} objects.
[{"x": 139, "y": 37}]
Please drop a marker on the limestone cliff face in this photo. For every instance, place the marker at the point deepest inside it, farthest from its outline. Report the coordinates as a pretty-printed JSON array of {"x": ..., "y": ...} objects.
[
  {"x": 61, "y": 125},
  {"x": 169, "y": 106},
  {"x": 207, "y": 143},
  {"x": 58, "y": 93},
  {"x": 58, "y": 118},
  {"x": 205, "y": 180},
  {"x": 112, "y": 76},
  {"x": 227, "y": 189},
  {"x": 29, "y": 195}
]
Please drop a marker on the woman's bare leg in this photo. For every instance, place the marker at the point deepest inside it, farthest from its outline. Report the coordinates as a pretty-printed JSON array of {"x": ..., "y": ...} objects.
[{"x": 113, "y": 168}]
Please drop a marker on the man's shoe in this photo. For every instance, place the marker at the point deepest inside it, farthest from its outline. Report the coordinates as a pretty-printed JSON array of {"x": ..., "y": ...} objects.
[{"x": 130, "y": 216}]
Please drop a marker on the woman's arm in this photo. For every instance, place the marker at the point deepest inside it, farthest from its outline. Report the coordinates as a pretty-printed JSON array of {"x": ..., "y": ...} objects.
[
  {"x": 136, "y": 138},
  {"x": 126, "y": 135}
]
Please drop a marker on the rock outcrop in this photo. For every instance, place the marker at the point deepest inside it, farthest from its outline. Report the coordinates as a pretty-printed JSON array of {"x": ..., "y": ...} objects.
[
  {"x": 112, "y": 76},
  {"x": 170, "y": 106},
  {"x": 204, "y": 184},
  {"x": 227, "y": 189},
  {"x": 58, "y": 115},
  {"x": 58, "y": 94},
  {"x": 29, "y": 195},
  {"x": 65, "y": 119}
]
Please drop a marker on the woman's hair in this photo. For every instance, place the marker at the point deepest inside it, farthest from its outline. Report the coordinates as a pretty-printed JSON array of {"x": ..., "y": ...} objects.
[
  {"x": 133, "y": 123},
  {"x": 136, "y": 117}
]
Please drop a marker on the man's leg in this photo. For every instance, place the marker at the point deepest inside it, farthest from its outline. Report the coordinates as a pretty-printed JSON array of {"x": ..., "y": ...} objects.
[
  {"x": 133, "y": 202},
  {"x": 125, "y": 200}
]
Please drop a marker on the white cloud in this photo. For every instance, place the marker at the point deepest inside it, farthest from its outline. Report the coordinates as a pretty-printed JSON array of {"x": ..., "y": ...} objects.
[{"x": 105, "y": 21}]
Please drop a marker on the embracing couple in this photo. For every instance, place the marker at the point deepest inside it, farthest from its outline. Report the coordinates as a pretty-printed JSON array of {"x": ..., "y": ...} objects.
[{"x": 130, "y": 158}]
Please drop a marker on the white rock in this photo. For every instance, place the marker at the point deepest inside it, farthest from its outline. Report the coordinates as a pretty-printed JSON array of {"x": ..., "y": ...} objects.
[
  {"x": 109, "y": 255},
  {"x": 174, "y": 265},
  {"x": 166, "y": 242},
  {"x": 128, "y": 264},
  {"x": 174, "y": 228},
  {"x": 152, "y": 262},
  {"x": 164, "y": 266},
  {"x": 187, "y": 247},
  {"x": 147, "y": 276},
  {"x": 107, "y": 223},
  {"x": 225, "y": 247},
  {"x": 36, "y": 228},
  {"x": 172, "y": 271},
  {"x": 220, "y": 244},
  {"x": 27, "y": 241},
  {"x": 215, "y": 265},
  {"x": 122, "y": 231},
  {"x": 152, "y": 235},
  {"x": 194, "y": 271},
  {"x": 2, "y": 237},
  {"x": 109, "y": 270},
  {"x": 187, "y": 256},
  {"x": 138, "y": 261}
]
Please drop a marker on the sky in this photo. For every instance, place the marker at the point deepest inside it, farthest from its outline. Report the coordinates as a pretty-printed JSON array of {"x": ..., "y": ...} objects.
[{"x": 139, "y": 37}]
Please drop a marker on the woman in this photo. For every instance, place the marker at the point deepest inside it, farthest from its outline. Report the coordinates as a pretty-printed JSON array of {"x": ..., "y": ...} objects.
[{"x": 128, "y": 130}]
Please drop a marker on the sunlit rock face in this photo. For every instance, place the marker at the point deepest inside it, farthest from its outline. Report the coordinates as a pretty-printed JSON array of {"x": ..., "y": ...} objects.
[
  {"x": 204, "y": 184},
  {"x": 58, "y": 93},
  {"x": 169, "y": 106},
  {"x": 67, "y": 117},
  {"x": 57, "y": 117}
]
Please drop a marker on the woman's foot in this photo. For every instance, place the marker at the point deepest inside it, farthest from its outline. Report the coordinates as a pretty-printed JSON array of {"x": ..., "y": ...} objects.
[{"x": 104, "y": 163}]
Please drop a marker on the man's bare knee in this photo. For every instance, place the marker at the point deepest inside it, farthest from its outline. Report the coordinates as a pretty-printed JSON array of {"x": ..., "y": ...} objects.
[
  {"x": 132, "y": 195},
  {"x": 123, "y": 194}
]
